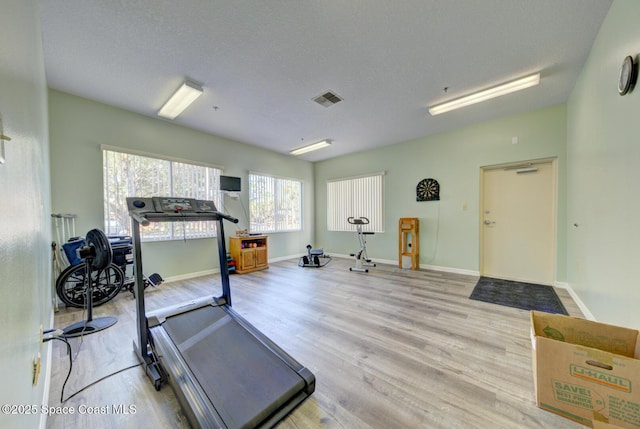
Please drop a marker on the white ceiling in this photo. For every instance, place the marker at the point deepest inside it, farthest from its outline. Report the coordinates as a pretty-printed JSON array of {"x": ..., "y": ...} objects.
[{"x": 262, "y": 61}]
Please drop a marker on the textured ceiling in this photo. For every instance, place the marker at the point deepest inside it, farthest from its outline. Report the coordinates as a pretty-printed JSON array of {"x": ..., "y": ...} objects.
[{"x": 263, "y": 61}]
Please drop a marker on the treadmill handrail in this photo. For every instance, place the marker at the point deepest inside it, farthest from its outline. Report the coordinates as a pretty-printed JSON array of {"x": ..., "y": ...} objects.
[
  {"x": 145, "y": 210},
  {"x": 167, "y": 361},
  {"x": 181, "y": 216},
  {"x": 229, "y": 218}
]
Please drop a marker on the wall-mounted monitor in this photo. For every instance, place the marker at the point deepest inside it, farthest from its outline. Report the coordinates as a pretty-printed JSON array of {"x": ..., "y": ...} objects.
[{"x": 229, "y": 184}]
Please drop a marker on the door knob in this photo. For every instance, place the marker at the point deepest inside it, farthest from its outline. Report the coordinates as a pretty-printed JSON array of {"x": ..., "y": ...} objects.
[{"x": 488, "y": 222}]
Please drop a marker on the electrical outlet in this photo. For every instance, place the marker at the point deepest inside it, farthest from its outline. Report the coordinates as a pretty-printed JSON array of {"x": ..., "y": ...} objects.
[{"x": 36, "y": 369}]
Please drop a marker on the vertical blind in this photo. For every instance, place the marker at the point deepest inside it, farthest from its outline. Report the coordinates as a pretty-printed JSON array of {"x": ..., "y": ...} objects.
[
  {"x": 134, "y": 175},
  {"x": 275, "y": 204},
  {"x": 361, "y": 196}
]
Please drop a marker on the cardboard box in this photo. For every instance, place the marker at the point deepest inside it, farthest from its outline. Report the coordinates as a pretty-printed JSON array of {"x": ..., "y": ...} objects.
[
  {"x": 586, "y": 371},
  {"x": 601, "y": 425}
]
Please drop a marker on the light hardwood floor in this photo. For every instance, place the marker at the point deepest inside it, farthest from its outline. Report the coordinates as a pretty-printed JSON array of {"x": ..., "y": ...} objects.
[{"x": 390, "y": 349}]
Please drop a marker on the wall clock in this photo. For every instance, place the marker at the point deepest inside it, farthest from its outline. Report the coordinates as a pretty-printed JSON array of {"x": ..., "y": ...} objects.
[
  {"x": 628, "y": 75},
  {"x": 428, "y": 190}
]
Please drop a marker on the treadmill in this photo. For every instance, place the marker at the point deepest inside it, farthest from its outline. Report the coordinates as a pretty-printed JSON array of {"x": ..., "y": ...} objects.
[{"x": 225, "y": 373}]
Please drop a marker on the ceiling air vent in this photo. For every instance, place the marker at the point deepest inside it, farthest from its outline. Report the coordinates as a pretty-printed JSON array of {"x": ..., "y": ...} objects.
[{"x": 327, "y": 99}]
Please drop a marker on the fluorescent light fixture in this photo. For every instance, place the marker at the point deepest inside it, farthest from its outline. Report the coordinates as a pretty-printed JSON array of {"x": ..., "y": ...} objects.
[
  {"x": 180, "y": 100},
  {"x": 311, "y": 147},
  {"x": 486, "y": 94}
]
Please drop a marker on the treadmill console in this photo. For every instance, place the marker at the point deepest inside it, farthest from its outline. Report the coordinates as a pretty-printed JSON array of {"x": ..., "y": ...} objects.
[
  {"x": 167, "y": 209},
  {"x": 175, "y": 205},
  {"x": 169, "y": 205}
]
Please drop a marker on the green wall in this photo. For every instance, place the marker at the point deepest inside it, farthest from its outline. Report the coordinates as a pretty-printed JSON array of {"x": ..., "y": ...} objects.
[
  {"x": 449, "y": 228},
  {"x": 79, "y": 126},
  {"x": 25, "y": 233},
  {"x": 594, "y": 137},
  {"x": 603, "y": 148}
]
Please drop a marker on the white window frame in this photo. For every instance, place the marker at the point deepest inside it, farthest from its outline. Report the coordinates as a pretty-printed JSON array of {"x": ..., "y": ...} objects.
[
  {"x": 258, "y": 221},
  {"x": 356, "y": 196},
  {"x": 199, "y": 180}
]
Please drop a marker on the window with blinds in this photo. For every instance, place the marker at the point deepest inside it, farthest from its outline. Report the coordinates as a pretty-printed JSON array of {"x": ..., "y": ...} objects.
[
  {"x": 361, "y": 196},
  {"x": 135, "y": 175},
  {"x": 275, "y": 204}
]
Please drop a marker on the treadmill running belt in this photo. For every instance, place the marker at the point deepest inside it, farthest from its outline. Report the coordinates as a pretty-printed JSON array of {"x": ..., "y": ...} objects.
[{"x": 244, "y": 380}]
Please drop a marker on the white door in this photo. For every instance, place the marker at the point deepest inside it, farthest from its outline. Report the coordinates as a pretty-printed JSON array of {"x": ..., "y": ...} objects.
[{"x": 518, "y": 228}]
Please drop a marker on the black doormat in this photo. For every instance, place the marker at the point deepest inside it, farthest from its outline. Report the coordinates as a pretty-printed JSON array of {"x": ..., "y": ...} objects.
[{"x": 526, "y": 296}]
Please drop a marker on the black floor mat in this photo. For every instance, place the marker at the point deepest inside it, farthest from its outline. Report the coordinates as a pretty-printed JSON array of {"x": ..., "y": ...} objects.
[{"x": 526, "y": 296}]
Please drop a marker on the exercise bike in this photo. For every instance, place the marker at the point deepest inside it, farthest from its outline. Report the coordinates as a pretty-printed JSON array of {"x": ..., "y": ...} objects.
[{"x": 362, "y": 260}]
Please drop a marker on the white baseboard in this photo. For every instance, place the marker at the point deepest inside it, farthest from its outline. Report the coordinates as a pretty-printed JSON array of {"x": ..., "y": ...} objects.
[
  {"x": 217, "y": 270},
  {"x": 191, "y": 275},
  {"x": 422, "y": 266},
  {"x": 581, "y": 305},
  {"x": 451, "y": 270},
  {"x": 47, "y": 384},
  {"x": 286, "y": 258},
  {"x": 340, "y": 255},
  {"x": 377, "y": 260},
  {"x": 188, "y": 276},
  {"x": 47, "y": 376}
]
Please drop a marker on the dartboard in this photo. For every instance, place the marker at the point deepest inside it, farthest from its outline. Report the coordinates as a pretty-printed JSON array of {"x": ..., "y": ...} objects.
[{"x": 428, "y": 190}]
